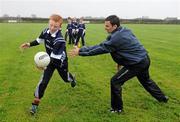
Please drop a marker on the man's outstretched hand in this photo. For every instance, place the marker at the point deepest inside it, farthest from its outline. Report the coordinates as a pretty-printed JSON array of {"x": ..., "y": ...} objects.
[{"x": 74, "y": 52}]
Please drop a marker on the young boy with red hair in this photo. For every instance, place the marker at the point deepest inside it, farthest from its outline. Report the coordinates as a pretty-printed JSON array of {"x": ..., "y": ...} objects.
[{"x": 55, "y": 46}]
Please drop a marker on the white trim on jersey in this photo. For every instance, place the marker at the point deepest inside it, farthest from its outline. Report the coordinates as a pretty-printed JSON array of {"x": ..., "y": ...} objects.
[
  {"x": 55, "y": 56},
  {"x": 39, "y": 40},
  {"x": 49, "y": 47},
  {"x": 53, "y": 34},
  {"x": 59, "y": 40}
]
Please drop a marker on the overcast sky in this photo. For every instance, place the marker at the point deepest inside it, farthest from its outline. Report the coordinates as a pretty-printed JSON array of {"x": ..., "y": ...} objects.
[{"x": 95, "y": 8}]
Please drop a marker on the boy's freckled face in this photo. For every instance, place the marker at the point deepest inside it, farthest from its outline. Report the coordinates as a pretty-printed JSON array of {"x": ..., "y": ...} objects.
[{"x": 53, "y": 26}]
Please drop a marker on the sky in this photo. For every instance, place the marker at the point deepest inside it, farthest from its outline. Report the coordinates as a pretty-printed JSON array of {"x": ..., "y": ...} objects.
[{"x": 126, "y": 9}]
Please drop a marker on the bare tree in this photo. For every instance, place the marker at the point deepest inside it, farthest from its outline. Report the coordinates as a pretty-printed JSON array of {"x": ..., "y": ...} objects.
[{"x": 5, "y": 16}]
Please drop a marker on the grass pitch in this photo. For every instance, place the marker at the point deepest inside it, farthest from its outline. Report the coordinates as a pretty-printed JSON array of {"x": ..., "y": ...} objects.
[{"x": 90, "y": 100}]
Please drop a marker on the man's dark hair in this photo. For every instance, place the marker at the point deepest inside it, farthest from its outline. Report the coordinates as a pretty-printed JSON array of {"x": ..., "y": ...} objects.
[{"x": 114, "y": 20}]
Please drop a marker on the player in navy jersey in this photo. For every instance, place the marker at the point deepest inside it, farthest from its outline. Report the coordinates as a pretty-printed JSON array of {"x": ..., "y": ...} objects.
[
  {"x": 69, "y": 31},
  {"x": 74, "y": 29},
  {"x": 56, "y": 48},
  {"x": 80, "y": 32}
]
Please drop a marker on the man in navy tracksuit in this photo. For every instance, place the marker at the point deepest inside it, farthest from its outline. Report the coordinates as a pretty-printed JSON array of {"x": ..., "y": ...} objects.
[
  {"x": 81, "y": 32},
  {"x": 125, "y": 50},
  {"x": 56, "y": 48}
]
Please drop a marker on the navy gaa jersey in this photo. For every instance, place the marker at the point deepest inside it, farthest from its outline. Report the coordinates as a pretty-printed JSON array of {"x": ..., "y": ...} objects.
[
  {"x": 69, "y": 26},
  {"x": 81, "y": 27},
  {"x": 54, "y": 43},
  {"x": 74, "y": 25}
]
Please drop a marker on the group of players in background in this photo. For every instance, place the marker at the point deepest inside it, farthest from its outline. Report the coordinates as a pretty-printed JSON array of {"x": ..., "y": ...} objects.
[{"x": 75, "y": 30}]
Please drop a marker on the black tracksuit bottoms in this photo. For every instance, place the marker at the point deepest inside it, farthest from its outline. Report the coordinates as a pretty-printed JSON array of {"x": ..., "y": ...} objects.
[
  {"x": 80, "y": 35},
  {"x": 141, "y": 71},
  {"x": 47, "y": 74}
]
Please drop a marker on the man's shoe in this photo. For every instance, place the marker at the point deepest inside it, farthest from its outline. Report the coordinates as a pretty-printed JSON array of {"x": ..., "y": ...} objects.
[
  {"x": 119, "y": 111},
  {"x": 33, "y": 109},
  {"x": 112, "y": 110},
  {"x": 115, "y": 111}
]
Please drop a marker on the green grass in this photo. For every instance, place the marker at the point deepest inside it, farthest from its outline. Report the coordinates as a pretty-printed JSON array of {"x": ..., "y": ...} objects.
[{"x": 90, "y": 100}]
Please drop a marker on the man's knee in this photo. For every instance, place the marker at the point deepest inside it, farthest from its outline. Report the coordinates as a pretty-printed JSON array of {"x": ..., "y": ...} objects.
[
  {"x": 116, "y": 82},
  {"x": 113, "y": 81}
]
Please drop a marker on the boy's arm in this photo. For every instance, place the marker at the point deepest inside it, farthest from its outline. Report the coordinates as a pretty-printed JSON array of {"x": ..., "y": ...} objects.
[
  {"x": 29, "y": 44},
  {"x": 35, "y": 42}
]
